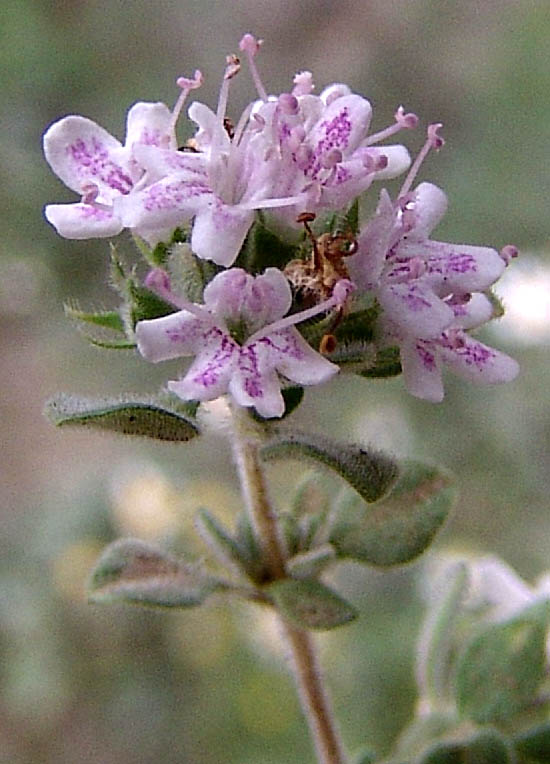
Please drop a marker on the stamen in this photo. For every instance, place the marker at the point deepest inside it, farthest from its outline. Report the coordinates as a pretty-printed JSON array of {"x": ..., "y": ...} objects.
[
  {"x": 508, "y": 252},
  {"x": 158, "y": 281},
  {"x": 187, "y": 85},
  {"x": 303, "y": 84},
  {"x": 433, "y": 141},
  {"x": 331, "y": 158},
  {"x": 340, "y": 293},
  {"x": 374, "y": 161},
  {"x": 233, "y": 66},
  {"x": 90, "y": 192},
  {"x": 250, "y": 45},
  {"x": 403, "y": 121}
]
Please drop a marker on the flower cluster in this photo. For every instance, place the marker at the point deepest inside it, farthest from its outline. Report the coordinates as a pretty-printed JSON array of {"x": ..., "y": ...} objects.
[{"x": 287, "y": 155}]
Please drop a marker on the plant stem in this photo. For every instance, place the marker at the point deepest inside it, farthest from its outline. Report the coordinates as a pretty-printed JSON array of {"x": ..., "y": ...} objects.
[{"x": 303, "y": 658}]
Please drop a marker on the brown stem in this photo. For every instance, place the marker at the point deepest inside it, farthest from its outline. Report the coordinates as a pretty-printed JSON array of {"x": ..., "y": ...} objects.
[{"x": 303, "y": 659}]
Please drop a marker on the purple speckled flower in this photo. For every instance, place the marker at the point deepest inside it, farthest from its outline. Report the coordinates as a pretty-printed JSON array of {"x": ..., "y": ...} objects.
[
  {"x": 97, "y": 166},
  {"x": 287, "y": 154},
  {"x": 240, "y": 340},
  {"x": 430, "y": 292}
]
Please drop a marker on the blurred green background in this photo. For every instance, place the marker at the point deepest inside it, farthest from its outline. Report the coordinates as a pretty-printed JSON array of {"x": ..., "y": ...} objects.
[{"x": 118, "y": 686}]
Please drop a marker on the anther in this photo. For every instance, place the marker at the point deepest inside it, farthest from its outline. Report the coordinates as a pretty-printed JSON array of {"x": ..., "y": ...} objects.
[
  {"x": 250, "y": 45},
  {"x": 303, "y": 84},
  {"x": 508, "y": 252}
]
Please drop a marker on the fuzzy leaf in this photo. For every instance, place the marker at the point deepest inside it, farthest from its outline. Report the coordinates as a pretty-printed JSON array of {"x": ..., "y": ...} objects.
[
  {"x": 501, "y": 669},
  {"x": 401, "y": 526},
  {"x": 140, "y": 573},
  {"x": 534, "y": 744},
  {"x": 143, "y": 304},
  {"x": 311, "y": 564},
  {"x": 386, "y": 363},
  {"x": 364, "y": 756},
  {"x": 128, "y": 416},
  {"x": 106, "y": 319},
  {"x": 188, "y": 273},
  {"x": 226, "y": 548},
  {"x": 310, "y": 604},
  {"x": 435, "y": 643},
  {"x": 486, "y": 747},
  {"x": 263, "y": 248},
  {"x": 371, "y": 473}
]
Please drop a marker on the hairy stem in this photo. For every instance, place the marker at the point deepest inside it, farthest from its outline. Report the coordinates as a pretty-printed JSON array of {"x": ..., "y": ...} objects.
[{"x": 302, "y": 654}]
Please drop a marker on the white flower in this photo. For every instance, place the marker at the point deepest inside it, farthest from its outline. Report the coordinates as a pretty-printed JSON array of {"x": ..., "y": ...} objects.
[
  {"x": 240, "y": 340},
  {"x": 93, "y": 163}
]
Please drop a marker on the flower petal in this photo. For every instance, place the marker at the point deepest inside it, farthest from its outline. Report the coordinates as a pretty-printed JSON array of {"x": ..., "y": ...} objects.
[
  {"x": 82, "y": 221},
  {"x": 172, "y": 336},
  {"x": 343, "y": 125},
  {"x": 219, "y": 231},
  {"x": 458, "y": 268},
  {"x": 477, "y": 311},
  {"x": 169, "y": 202},
  {"x": 149, "y": 123},
  {"x": 210, "y": 373},
  {"x": 373, "y": 244},
  {"x": 255, "y": 381},
  {"x": 398, "y": 160},
  {"x": 416, "y": 310},
  {"x": 430, "y": 205},
  {"x": 80, "y": 153},
  {"x": 163, "y": 162},
  {"x": 267, "y": 299},
  {"x": 476, "y": 362},
  {"x": 296, "y": 360},
  {"x": 421, "y": 371}
]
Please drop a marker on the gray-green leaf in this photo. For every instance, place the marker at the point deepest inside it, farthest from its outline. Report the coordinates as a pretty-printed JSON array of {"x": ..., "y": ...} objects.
[
  {"x": 140, "y": 573},
  {"x": 400, "y": 527},
  {"x": 310, "y": 604},
  {"x": 371, "y": 473},
  {"x": 151, "y": 418},
  {"x": 500, "y": 670},
  {"x": 534, "y": 744},
  {"x": 487, "y": 747}
]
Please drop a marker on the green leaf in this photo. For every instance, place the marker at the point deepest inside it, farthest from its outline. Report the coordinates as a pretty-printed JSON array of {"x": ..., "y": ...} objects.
[
  {"x": 400, "y": 527},
  {"x": 107, "y": 319},
  {"x": 143, "y": 304},
  {"x": 104, "y": 328},
  {"x": 501, "y": 669},
  {"x": 311, "y": 564},
  {"x": 371, "y": 473},
  {"x": 224, "y": 546},
  {"x": 188, "y": 273},
  {"x": 263, "y": 248},
  {"x": 310, "y": 604},
  {"x": 433, "y": 664},
  {"x": 486, "y": 747},
  {"x": 128, "y": 416},
  {"x": 140, "y": 573},
  {"x": 534, "y": 744},
  {"x": 423, "y": 730},
  {"x": 387, "y": 363}
]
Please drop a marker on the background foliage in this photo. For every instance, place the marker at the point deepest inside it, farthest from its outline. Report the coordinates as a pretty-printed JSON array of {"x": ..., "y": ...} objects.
[{"x": 83, "y": 684}]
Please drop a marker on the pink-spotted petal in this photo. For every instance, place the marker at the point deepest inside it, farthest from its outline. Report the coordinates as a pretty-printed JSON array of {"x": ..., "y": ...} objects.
[
  {"x": 83, "y": 221},
  {"x": 416, "y": 310},
  {"x": 162, "y": 162},
  {"x": 343, "y": 125},
  {"x": 476, "y": 362},
  {"x": 255, "y": 381},
  {"x": 149, "y": 124},
  {"x": 168, "y": 202},
  {"x": 224, "y": 295},
  {"x": 81, "y": 154},
  {"x": 421, "y": 370},
  {"x": 458, "y": 267},
  {"x": 268, "y": 298},
  {"x": 219, "y": 232},
  {"x": 209, "y": 128},
  {"x": 296, "y": 360},
  {"x": 476, "y": 312},
  {"x": 172, "y": 336},
  {"x": 209, "y": 375},
  {"x": 430, "y": 205}
]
